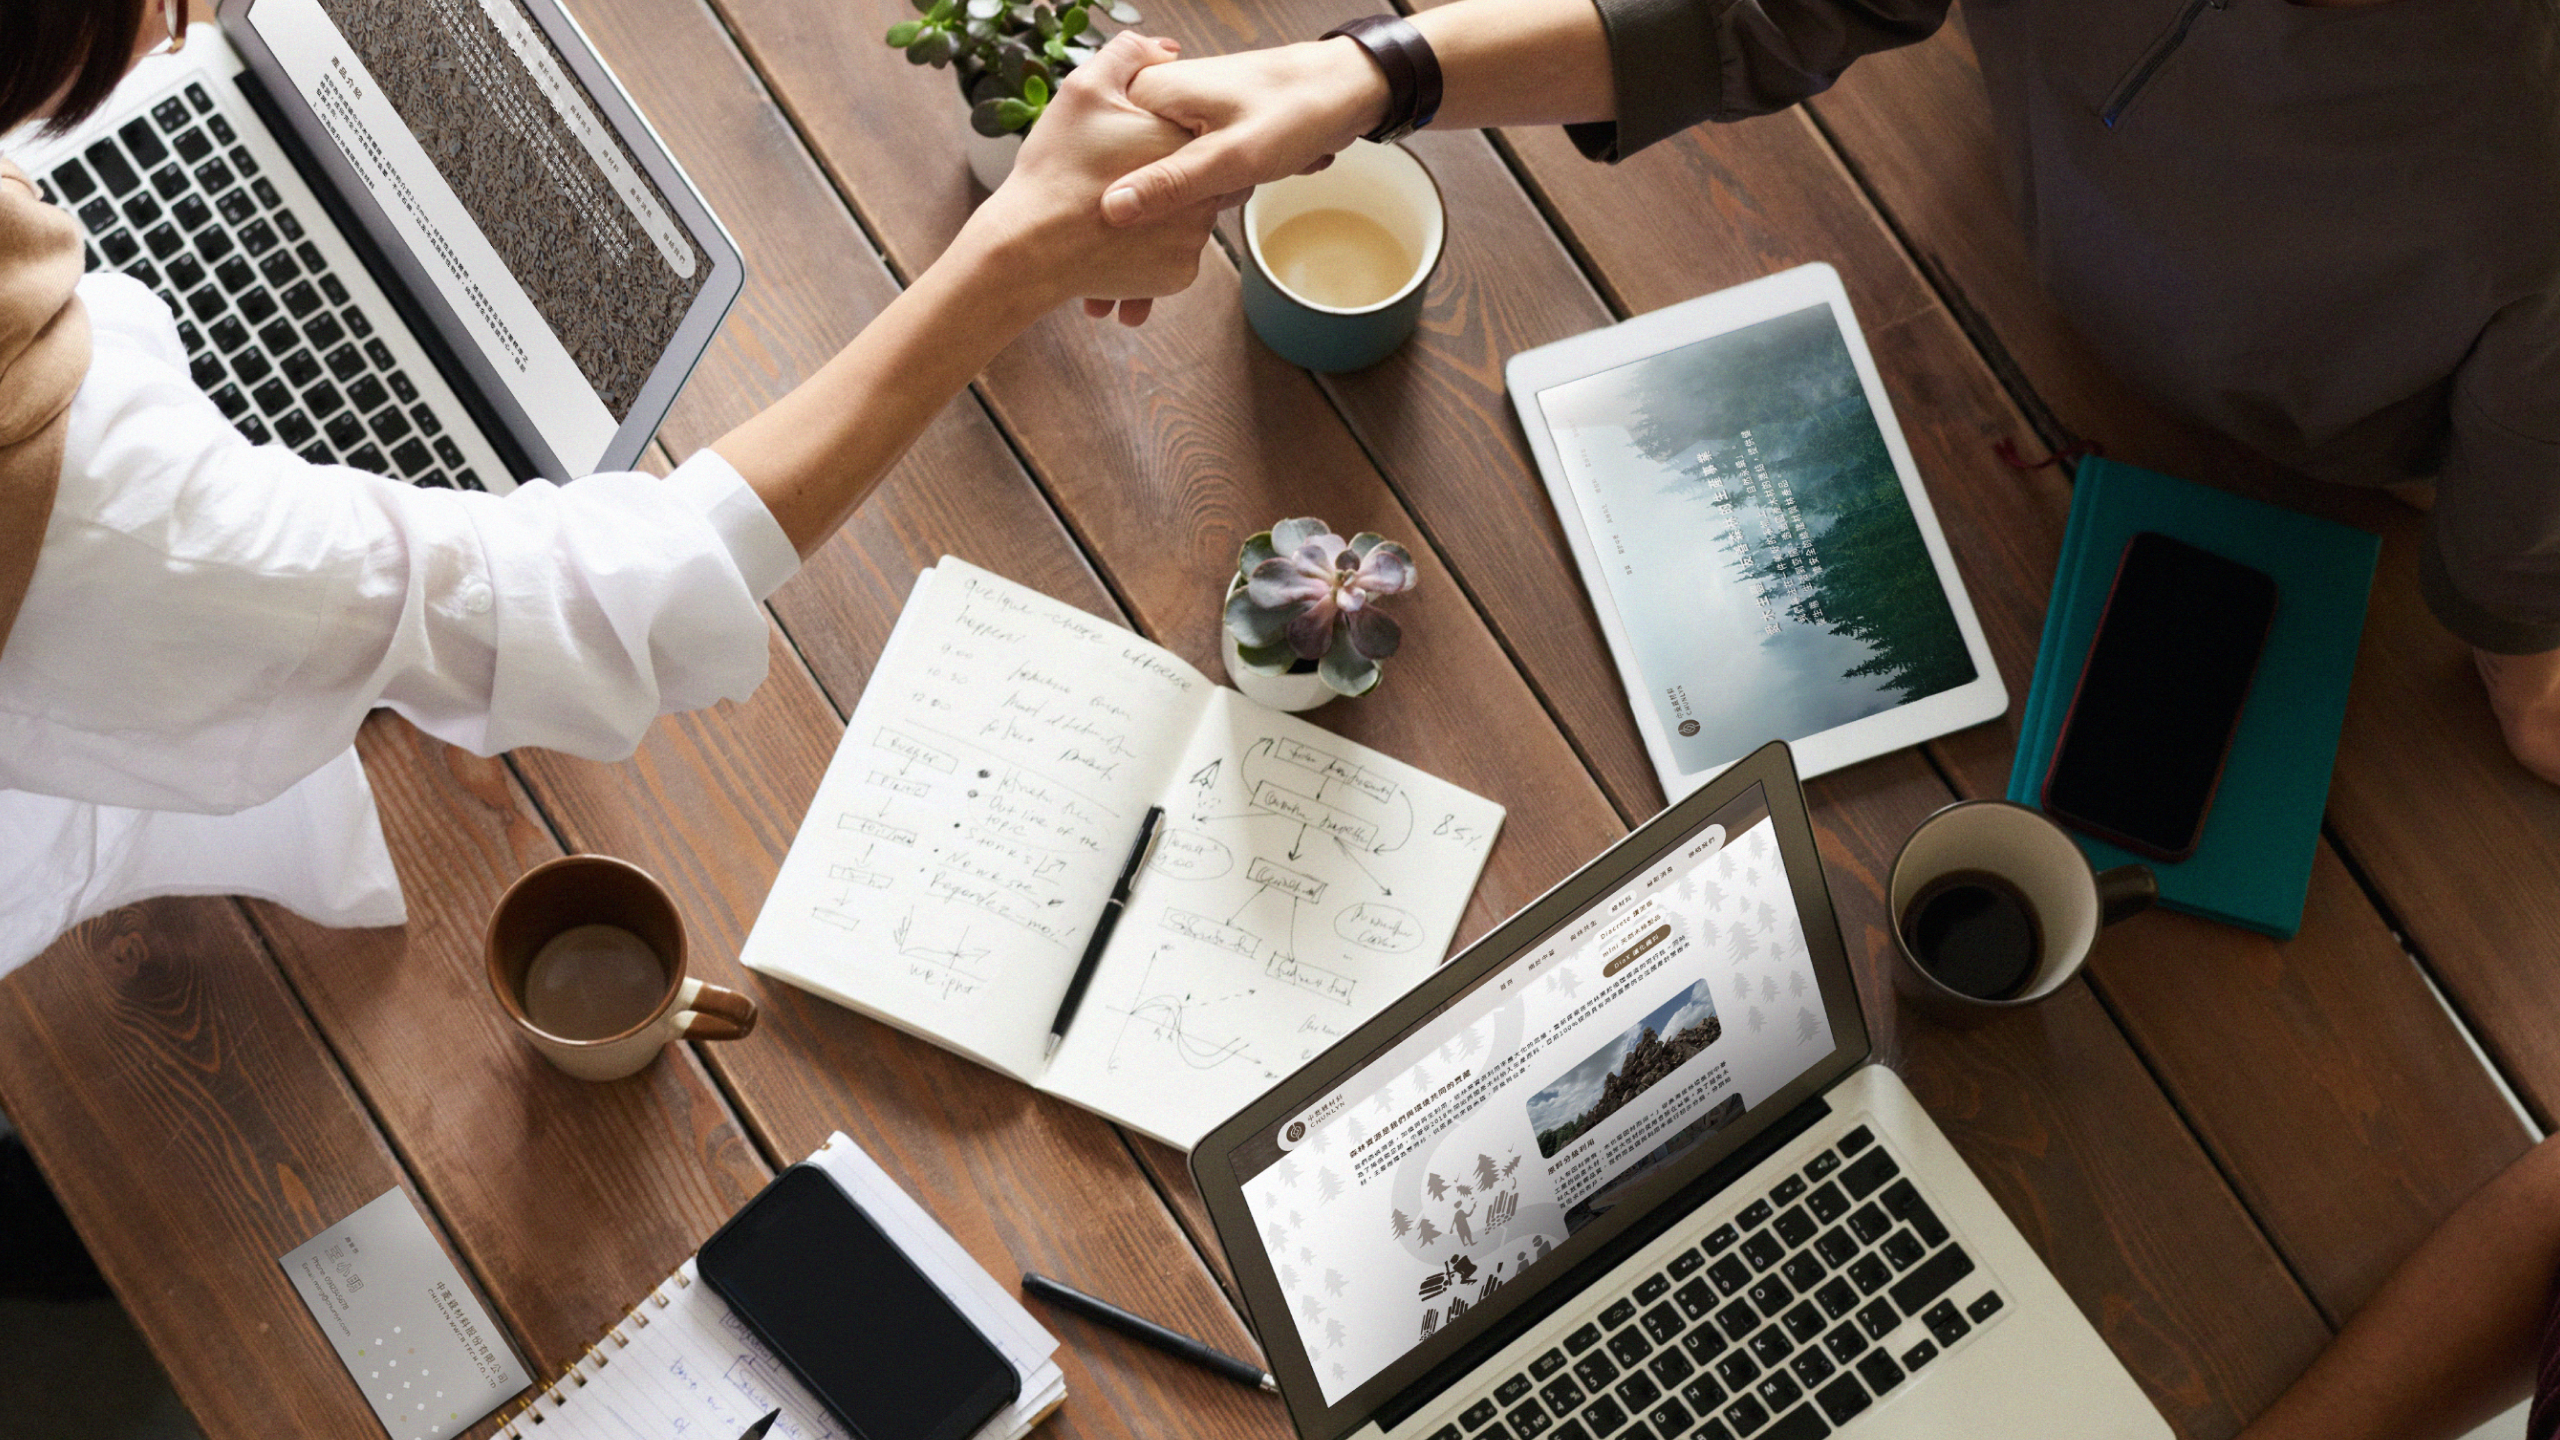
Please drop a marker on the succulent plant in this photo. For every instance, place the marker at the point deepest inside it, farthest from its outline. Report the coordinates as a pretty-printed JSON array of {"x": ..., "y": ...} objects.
[
  {"x": 1009, "y": 57},
  {"x": 1307, "y": 594}
]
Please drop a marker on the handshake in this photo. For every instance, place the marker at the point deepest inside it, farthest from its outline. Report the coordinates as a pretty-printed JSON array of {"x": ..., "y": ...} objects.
[{"x": 1116, "y": 187}]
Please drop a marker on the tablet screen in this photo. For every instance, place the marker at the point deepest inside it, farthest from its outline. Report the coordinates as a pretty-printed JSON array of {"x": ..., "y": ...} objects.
[{"x": 1755, "y": 538}]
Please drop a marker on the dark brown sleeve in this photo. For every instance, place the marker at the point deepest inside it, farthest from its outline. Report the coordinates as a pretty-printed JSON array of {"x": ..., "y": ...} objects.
[
  {"x": 1679, "y": 62},
  {"x": 2491, "y": 567}
]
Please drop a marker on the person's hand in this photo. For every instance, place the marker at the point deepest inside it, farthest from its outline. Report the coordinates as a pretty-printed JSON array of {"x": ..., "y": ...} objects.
[
  {"x": 1259, "y": 115},
  {"x": 2524, "y": 691},
  {"x": 1046, "y": 222}
]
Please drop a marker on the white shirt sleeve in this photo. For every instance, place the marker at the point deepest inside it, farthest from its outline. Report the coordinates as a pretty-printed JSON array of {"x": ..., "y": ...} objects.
[{"x": 209, "y": 621}]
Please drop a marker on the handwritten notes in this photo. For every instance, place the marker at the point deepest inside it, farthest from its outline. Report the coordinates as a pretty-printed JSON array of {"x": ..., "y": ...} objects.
[
  {"x": 980, "y": 805},
  {"x": 984, "y": 798}
]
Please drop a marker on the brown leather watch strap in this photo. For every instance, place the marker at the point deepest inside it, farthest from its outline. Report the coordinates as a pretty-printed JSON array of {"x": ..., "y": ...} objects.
[{"x": 1411, "y": 68}]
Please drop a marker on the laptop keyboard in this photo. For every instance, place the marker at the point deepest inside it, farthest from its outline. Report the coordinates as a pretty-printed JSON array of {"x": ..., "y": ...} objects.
[
  {"x": 273, "y": 332},
  {"x": 1789, "y": 1320}
]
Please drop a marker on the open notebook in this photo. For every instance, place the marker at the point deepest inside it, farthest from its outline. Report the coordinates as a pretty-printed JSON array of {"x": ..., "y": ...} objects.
[
  {"x": 683, "y": 1364},
  {"x": 986, "y": 795}
]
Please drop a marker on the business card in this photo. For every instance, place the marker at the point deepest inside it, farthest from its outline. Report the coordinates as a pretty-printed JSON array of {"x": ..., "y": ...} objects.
[{"x": 406, "y": 1325}]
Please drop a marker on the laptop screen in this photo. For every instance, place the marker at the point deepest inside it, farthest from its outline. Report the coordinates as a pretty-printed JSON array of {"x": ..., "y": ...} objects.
[
  {"x": 565, "y": 264},
  {"x": 1473, "y": 1150}
]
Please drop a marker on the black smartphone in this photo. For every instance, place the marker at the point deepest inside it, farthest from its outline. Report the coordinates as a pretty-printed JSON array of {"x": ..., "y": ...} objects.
[
  {"x": 851, "y": 1315},
  {"x": 2142, "y": 748}
]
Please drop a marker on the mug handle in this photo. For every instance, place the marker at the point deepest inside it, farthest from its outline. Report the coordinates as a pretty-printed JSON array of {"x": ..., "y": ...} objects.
[
  {"x": 2125, "y": 891},
  {"x": 712, "y": 1012}
]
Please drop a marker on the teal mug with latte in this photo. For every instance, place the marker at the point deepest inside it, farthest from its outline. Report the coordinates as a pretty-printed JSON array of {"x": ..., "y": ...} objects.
[{"x": 1337, "y": 262}]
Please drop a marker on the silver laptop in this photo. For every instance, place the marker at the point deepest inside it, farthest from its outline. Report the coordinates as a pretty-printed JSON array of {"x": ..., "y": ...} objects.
[
  {"x": 1622, "y": 1171},
  {"x": 427, "y": 238}
]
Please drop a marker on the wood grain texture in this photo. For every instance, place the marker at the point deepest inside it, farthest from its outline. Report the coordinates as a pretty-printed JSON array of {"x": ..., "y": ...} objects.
[
  {"x": 195, "y": 1128},
  {"x": 572, "y": 1199},
  {"x": 2358, "y": 1084},
  {"x": 2426, "y": 800},
  {"x": 2461, "y": 842}
]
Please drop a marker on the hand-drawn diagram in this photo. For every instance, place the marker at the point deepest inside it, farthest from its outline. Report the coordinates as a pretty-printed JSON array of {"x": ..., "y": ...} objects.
[
  {"x": 955, "y": 969},
  {"x": 1183, "y": 1021},
  {"x": 1275, "y": 882}
]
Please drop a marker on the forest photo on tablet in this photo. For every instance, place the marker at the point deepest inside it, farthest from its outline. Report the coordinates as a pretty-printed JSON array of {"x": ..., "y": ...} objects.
[{"x": 1755, "y": 537}]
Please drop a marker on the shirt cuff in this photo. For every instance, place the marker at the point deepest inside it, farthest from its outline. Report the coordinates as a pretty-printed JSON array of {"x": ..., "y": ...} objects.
[
  {"x": 764, "y": 555},
  {"x": 2498, "y": 634},
  {"x": 1668, "y": 73}
]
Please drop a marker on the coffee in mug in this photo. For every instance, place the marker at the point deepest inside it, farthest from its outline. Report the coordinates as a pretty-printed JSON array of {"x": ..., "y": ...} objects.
[
  {"x": 1337, "y": 257},
  {"x": 593, "y": 981},
  {"x": 1976, "y": 933},
  {"x": 1996, "y": 906},
  {"x": 586, "y": 955},
  {"x": 1337, "y": 263}
]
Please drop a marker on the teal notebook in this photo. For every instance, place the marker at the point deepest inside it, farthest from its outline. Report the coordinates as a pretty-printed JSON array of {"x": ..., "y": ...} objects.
[{"x": 2252, "y": 867}]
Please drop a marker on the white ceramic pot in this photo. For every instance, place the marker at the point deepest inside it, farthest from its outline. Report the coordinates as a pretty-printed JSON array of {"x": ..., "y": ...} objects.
[
  {"x": 990, "y": 157},
  {"x": 1297, "y": 690}
]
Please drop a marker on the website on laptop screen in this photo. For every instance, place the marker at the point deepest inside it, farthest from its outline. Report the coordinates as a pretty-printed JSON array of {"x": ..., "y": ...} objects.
[
  {"x": 563, "y": 259},
  {"x": 1468, "y": 1153}
]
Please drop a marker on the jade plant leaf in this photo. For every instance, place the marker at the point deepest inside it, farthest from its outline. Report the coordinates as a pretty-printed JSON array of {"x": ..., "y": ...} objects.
[
  {"x": 1267, "y": 659},
  {"x": 1255, "y": 625},
  {"x": 1345, "y": 669}
]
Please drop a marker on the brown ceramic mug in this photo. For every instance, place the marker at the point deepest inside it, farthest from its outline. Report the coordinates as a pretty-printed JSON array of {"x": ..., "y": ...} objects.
[{"x": 587, "y": 956}]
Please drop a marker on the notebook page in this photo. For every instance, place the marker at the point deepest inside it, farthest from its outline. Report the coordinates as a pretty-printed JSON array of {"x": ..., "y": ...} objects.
[
  {"x": 1302, "y": 881},
  {"x": 981, "y": 803}
]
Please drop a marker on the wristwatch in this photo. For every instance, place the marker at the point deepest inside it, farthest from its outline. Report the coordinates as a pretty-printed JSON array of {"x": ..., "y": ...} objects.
[{"x": 1412, "y": 71}]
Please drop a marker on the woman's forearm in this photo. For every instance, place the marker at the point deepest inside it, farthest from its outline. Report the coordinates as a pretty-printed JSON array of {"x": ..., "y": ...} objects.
[{"x": 817, "y": 452}]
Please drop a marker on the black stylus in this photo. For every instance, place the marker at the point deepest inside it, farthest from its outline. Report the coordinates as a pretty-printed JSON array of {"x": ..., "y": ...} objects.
[
  {"x": 1138, "y": 1327},
  {"x": 1102, "y": 928}
]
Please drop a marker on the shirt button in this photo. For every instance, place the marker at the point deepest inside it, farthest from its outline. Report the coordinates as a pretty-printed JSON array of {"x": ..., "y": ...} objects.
[{"x": 475, "y": 598}]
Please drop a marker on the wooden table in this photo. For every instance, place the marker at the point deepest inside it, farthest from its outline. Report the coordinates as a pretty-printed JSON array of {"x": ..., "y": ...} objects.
[{"x": 2220, "y": 1143}]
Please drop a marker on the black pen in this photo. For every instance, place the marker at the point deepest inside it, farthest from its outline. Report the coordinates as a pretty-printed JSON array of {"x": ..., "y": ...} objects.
[
  {"x": 1138, "y": 1327},
  {"x": 1111, "y": 909},
  {"x": 758, "y": 1429}
]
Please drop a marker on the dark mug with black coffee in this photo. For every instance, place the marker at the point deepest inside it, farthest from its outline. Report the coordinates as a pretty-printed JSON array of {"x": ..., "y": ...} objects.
[{"x": 1996, "y": 906}]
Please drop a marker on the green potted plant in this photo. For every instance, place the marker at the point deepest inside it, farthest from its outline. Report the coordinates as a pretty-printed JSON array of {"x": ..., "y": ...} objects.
[
  {"x": 1302, "y": 620},
  {"x": 1009, "y": 59}
]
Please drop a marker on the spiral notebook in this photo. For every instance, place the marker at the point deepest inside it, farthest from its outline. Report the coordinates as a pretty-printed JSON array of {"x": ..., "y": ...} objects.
[{"x": 681, "y": 1363}]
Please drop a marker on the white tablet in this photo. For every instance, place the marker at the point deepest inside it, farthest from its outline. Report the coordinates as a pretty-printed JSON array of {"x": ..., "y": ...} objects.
[{"x": 1753, "y": 532}]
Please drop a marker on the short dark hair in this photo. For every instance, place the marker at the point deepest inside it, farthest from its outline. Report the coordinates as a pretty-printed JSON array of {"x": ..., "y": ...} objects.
[{"x": 48, "y": 44}]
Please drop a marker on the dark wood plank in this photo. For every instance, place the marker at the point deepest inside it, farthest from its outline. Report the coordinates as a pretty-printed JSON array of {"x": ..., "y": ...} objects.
[
  {"x": 2371, "y": 1077},
  {"x": 572, "y": 1199},
  {"x": 2462, "y": 843},
  {"x": 196, "y": 1128},
  {"x": 1914, "y": 124}
]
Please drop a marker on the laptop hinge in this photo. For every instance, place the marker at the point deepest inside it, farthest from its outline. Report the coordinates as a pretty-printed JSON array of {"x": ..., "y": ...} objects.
[
  {"x": 387, "y": 280},
  {"x": 1570, "y": 1286}
]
